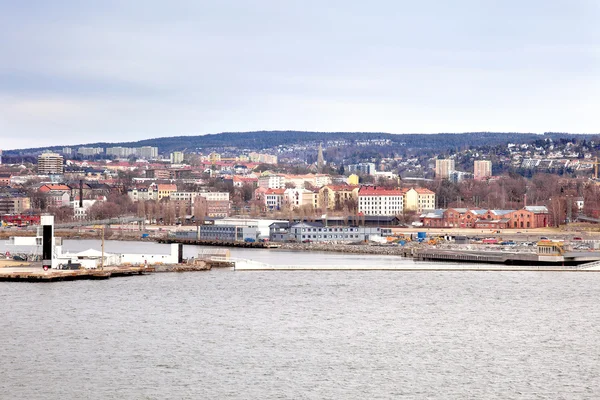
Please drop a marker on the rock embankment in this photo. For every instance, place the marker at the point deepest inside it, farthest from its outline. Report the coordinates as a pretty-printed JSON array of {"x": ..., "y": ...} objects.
[
  {"x": 201, "y": 266},
  {"x": 348, "y": 248}
]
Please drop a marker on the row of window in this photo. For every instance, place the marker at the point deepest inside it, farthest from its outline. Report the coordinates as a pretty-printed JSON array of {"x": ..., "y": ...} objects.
[
  {"x": 330, "y": 236},
  {"x": 329, "y": 229}
]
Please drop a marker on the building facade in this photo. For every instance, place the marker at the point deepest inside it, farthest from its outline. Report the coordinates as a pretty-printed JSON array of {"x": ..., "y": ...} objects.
[
  {"x": 482, "y": 169},
  {"x": 444, "y": 168},
  {"x": 419, "y": 200},
  {"x": 50, "y": 164},
  {"x": 380, "y": 201}
]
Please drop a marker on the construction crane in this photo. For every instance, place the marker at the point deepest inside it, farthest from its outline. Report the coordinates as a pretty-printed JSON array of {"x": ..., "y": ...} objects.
[{"x": 594, "y": 163}]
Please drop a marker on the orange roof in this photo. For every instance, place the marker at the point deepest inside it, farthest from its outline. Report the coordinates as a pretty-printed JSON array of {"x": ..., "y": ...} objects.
[
  {"x": 244, "y": 178},
  {"x": 423, "y": 191},
  {"x": 336, "y": 188},
  {"x": 50, "y": 186},
  {"x": 167, "y": 187},
  {"x": 275, "y": 191}
]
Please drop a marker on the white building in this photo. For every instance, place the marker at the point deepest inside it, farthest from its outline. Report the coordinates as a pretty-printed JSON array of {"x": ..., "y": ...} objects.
[
  {"x": 272, "y": 181},
  {"x": 378, "y": 201}
]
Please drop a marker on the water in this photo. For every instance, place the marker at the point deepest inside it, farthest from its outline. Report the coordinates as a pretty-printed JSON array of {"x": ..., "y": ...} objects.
[{"x": 303, "y": 335}]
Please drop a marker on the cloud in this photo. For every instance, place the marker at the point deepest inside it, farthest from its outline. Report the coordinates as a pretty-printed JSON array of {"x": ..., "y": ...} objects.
[{"x": 115, "y": 70}]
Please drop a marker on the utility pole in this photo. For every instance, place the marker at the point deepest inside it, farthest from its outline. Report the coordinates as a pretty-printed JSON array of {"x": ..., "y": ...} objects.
[{"x": 102, "y": 259}]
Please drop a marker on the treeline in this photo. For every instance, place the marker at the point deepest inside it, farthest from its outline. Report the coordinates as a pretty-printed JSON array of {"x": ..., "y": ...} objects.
[{"x": 452, "y": 142}]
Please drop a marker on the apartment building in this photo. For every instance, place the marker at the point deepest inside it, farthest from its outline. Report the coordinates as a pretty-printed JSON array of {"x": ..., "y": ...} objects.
[
  {"x": 482, "y": 169},
  {"x": 50, "y": 164},
  {"x": 333, "y": 197},
  {"x": 274, "y": 198},
  {"x": 272, "y": 181},
  {"x": 419, "y": 199},
  {"x": 380, "y": 201},
  {"x": 176, "y": 157},
  {"x": 444, "y": 168}
]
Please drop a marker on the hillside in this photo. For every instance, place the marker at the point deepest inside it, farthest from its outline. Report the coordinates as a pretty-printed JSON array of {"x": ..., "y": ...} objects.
[{"x": 270, "y": 139}]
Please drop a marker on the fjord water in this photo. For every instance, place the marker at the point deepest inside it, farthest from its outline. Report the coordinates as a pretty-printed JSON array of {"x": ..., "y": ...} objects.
[{"x": 303, "y": 335}]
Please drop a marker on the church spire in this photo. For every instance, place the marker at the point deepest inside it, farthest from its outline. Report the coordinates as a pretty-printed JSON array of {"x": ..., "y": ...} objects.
[{"x": 320, "y": 159}]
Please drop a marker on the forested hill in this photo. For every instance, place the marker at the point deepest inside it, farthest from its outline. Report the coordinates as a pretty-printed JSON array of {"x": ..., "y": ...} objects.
[{"x": 269, "y": 139}]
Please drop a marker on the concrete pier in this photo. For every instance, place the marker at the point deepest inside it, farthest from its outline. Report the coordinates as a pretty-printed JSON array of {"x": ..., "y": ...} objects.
[
  {"x": 37, "y": 274},
  {"x": 504, "y": 257},
  {"x": 251, "y": 245}
]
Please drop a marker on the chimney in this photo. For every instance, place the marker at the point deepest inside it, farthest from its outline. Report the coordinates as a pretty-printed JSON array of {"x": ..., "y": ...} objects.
[{"x": 81, "y": 193}]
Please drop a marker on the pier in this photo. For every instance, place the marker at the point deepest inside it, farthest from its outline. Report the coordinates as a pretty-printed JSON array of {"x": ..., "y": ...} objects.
[
  {"x": 37, "y": 274},
  {"x": 505, "y": 257},
  {"x": 197, "y": 242}
]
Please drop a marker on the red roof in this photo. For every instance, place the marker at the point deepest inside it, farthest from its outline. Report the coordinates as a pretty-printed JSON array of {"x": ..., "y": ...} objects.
[
  {"x": 375, "y": 191},
  {"x": 275, "y": 191},
  {"x": 423, "y": 191},
  {"x": 336, "y": 188},
  {"x": 167, "y": 187},
  {"x": 50, "y": 186}
]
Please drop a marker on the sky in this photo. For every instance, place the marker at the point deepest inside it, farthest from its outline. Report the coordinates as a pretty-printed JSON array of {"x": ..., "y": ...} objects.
[{"x": 76, "y": 72}]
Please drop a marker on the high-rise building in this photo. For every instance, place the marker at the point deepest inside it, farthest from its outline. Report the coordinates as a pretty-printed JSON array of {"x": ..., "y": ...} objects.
[
  {"x": 444, "y": 168},
  {"x": 148, "y": 152},
  {"x": 90, "y": 151},
  {"x": 482, "y": 169},
  {"x": 362, "y": 168},
  {"x": 176, "y": 157},
  {"x": 50, "y": 163}
]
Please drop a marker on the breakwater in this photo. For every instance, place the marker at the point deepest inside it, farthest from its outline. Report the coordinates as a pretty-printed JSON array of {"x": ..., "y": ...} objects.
[{"x": 37, "y": 274}]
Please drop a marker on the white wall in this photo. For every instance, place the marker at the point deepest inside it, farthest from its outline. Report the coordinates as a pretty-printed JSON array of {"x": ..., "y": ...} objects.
[{"x": 139, "y": 259}]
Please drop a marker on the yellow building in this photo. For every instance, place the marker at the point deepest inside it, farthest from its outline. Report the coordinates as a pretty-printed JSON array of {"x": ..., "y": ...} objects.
[
  {"x": 353, "y": 179},
  {"x": 419, "y": 199},
  {"x": 165, "y": 190},
  {"x": 336, "y": 196},
  {"x": 214, "y": 157}
]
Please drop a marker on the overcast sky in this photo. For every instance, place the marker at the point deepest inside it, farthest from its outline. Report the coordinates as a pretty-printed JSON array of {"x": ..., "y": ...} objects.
[{"x": 117, "y": 70}]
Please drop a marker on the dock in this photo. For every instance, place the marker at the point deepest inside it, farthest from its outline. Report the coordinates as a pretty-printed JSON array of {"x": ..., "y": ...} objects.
[
  {"x": 37, "y": 274},
  {"x": 197, "y": 242},
  {"x": 506, "y": 257}
]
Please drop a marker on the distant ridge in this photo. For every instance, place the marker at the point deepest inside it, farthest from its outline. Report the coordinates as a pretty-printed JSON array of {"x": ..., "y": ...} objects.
[{"x": 268, "y": 139}]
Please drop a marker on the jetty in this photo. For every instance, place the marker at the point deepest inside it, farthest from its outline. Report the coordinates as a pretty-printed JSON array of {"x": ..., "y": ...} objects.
[
  {"x": 504, "y": 257},
  {"x": 222, "y": 243},
  {"x": 37, "y": 273}
]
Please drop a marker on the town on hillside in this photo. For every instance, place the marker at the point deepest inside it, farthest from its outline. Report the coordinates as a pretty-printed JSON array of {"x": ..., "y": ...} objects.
[{"x": 543, "y": 183}]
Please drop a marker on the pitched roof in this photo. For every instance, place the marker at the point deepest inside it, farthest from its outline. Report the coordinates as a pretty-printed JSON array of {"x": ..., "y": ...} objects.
[
  {"x": 167, "y": 187},
  {"x": 438, "y": 213},
  {"x": 52, "y": 186},
  {"x": 339, "y": 188},
  {"x": 501, "y": 212},
  {"x": 537, "y": 209},
  {"x": 423, "y": 191},
  {"x": 275, "y": 191},
  {"x": 375, "y": 191}
]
